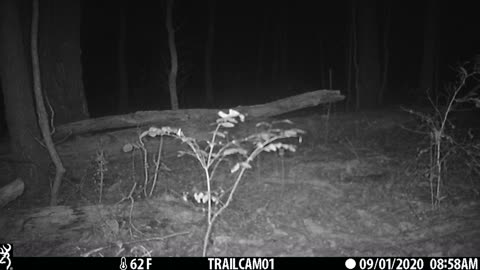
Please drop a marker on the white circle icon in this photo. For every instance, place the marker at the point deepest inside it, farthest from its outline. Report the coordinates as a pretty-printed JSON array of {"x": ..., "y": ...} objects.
[{"x": 350, "y": 263}]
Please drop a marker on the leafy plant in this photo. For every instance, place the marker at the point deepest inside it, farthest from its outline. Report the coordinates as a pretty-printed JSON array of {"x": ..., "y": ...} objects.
[{"x": 219, "y": 147}]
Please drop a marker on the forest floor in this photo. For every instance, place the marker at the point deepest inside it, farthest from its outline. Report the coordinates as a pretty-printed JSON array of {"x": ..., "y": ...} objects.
[{"x": 356, "y": 186}]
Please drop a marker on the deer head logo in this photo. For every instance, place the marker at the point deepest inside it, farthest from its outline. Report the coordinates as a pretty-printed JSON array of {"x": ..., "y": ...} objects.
[{"x": 5, "y": 255}]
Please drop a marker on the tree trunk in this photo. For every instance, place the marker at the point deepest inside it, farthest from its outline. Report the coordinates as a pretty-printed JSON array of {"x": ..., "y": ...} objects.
[
  {"x": 261, "y": 48},
  {"x": 356, "y": 77},
  {"x": 15, "y": 74},
  {"x": 172, "y": 76},
  {"x": 284, "y": 43},
  {"x": 275, "y": 56},
  {"x": 60, "y": 59},
  {"x": 41, "y": 110},
  {"x": 429, "y": 47},
  {"x": 349, "y": 66},
  {"x": 209, "y": 54},
  {"x": 280, "y": 44},
  {"x": 368, "y": 55},
  {"x": 122, "y": 61},
  {"x": 386, "y": 52},
  {"x": 322, "y": 64}
]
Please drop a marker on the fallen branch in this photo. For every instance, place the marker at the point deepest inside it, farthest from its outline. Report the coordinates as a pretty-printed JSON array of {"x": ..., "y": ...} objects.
[
  {"x": 11, "y": 191},
  {"x": 146, "y": 118}
]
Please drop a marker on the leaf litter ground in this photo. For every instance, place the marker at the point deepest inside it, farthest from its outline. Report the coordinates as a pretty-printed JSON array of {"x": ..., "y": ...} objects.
[{"x": 355, "y": 187}]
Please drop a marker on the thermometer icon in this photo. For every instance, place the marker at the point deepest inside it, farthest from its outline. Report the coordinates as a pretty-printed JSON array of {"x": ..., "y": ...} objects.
[{"x": 123, "y": 263}]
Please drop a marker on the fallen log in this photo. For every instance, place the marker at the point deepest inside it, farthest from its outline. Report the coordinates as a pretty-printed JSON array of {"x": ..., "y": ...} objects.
[
  {"x": 68, "y": 222},
  {"x": 144, "y": 118},
  {"x": 11, "y": 191},
  {"x": 110, "y": 134}
]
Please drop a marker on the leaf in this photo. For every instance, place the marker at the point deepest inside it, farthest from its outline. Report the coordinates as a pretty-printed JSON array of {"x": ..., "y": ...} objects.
[
  {"x": 231, "y": 151},
  {"x": 245, "y": 165},
  {"x": 227, "y": 125},
  {"x": 221, "y": 134},
  {"x": 231, "y": 120},
  {"x": 127, "y": 148},
  {"x": 289, "y": 147},
  {"x": 242, "y": 117},
  {"x": 239, "y": 165},
  {"x": 180, "y": 133},
  {"x": 299, "y": 131},
  {"x": 289, "y": 133},
  {"x": 286, "y": 121},
  {"x": 233, "y": 113},
  {"x": 222, "y": 114},
  {"x": 235, "y": 168},
  {"x": 270, "y": 148},
  {"x": 182, "y": 153}
]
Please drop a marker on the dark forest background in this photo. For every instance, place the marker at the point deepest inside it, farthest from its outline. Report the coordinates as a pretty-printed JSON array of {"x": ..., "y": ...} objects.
[
  {"x": 262, "y": 50},
  {"x": 249, "y": 36}
]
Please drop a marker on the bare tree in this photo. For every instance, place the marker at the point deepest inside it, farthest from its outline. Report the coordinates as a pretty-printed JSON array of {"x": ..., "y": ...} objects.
[
  {"x": 60, "y": 60},
  {"x": 209, "y": 53},
  {"x": 41, "y": 110},
  {"x": 172, "y": 76},
  {"x": 349, "y": 62},
  {"x": 386, "y": 51},
  {"x": 280, "y": 42},
  {"x": 429, "y": 47},
  {"x": 263, "y": 32},
  {"x": 122, "y": 61},
  {"x": 368, "y": 55},
  {"x": 354, "y": 45}
]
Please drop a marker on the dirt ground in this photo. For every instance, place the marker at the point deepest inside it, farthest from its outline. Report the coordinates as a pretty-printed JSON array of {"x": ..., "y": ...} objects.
[{"x": 355, "y": 187}]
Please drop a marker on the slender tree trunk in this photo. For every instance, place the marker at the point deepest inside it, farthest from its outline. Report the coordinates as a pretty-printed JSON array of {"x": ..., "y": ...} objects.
[
  {"x": 123, "y": 99},
  {"x": 349, "y": 65},
  {"x": 261, "y": 48},
  {"x": 356, "y": 84},
  {"x": 386, "y": 52},
  {"x": 284, "y": 43},
  {"x": 172, "y": 76},
  {"x": 41, "y": 110},
  {"x": 279, "y": 61},
  {"x": 60, "y": 55},
  {"x": 280, "y": 42},
  {"x": 429, "y": 46},
  {"x": 322, "y": 64},
  {"x": 368, "y": 55},
  {"x": 275, "y": 56},
  {"x": 209, "y": 53},
  {"x": 15, "y": 75}
]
